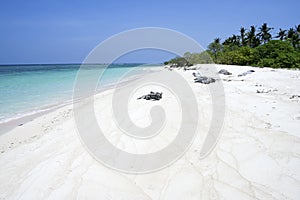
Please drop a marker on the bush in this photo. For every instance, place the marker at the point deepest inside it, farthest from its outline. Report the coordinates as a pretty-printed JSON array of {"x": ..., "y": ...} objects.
[
  {"x": 200, "y": 58},
  {"x": 179, "y": 62},
  {"x": 277, "y": 54},
  {"x": 238, "y": 56}
]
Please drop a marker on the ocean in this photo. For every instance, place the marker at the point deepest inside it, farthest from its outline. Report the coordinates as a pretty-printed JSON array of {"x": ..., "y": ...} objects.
[{"x": 28, "y": 89}]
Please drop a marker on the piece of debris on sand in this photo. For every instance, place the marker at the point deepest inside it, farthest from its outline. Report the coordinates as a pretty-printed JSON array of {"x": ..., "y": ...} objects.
[
  {"x": 224, "y": 72},
  {"x": 295, "y": 96},
  {"x": 204, "y": 80},
  {"x": 246, "y": 73},
  {"x": 155, "y": 96}
]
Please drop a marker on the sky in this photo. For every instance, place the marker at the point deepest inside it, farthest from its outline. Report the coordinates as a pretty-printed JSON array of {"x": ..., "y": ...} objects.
[{"x": 65, "y": 31}]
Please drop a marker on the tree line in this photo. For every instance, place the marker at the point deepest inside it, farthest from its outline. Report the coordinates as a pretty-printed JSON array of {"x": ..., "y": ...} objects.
[{"x": 254, "y": 47}]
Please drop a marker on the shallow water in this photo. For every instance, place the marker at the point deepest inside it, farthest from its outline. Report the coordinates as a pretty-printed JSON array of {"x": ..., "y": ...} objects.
[{"x": 27, "y": 89}]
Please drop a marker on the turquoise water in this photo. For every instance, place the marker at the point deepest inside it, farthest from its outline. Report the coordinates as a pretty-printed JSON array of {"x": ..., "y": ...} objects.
[{"x": 26, "y": 89}]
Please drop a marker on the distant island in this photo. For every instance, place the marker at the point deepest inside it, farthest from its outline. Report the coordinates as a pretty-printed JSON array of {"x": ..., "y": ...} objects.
[{"x": 250, "y": 47}]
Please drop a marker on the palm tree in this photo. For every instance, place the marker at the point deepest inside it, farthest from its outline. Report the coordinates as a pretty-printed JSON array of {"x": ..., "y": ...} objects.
[
  {"x": 264, "y": 33},
  {"x": 242, "y": 36},
  {"x": 227, "y": 41},
  {"x": 281, "y": 34},
  {"x": 293, "y": 37},
  {"x": 217, "y": 40},
  {"x": 297, "y": 45},
  {"x": 298, "y": 28},
  {"x": 290, "y": 33},
  {"x": 234, "y": 40},
  {"x": 215, "y": 47},
  {"x": 252, "y": 39}
]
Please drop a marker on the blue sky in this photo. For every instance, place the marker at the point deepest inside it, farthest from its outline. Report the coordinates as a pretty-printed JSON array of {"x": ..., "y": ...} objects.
[{"x": 65, "y": 31}]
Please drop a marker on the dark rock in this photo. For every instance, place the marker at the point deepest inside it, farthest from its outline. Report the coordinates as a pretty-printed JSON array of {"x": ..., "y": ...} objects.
[
  {"x": 204, "y": 80},
  {"x": 196, "y": 74},
  {"x": 152, "y": 96},
  {"x": 263, "y": 91},
  {"x": 295, "y": 97},
  {"x": 247, "y": 72},
  {"x": 225, "y": 72},
  {"x": 191, "y": 68}
]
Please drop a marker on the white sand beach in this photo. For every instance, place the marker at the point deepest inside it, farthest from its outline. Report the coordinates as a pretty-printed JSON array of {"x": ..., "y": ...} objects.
[{"x": 256, "y": 157}]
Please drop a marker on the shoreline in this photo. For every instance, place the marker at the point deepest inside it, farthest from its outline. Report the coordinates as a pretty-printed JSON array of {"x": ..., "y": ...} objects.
[{"x": 8, "y": 124}]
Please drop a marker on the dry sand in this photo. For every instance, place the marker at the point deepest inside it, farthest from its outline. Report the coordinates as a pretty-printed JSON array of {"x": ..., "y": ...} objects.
[{"x": 257, "y": 155}]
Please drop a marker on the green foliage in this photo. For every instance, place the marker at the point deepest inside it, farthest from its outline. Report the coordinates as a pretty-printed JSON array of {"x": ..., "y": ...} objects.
[
  {"x": 264, "y": 34},
  {"x": 178, "y": 62},
  {"x": 215, "y": 48},
  {"x": 281, "y": 34},
  {"x": 243, "y": 36},
  {"x": 199, "y": 58},
  {"x": 251, "y": 47},
  {"x": 293, "y": 36},
  {"x": 239, "y": 56},
  {"x": 277, "y": 54},
  {"x": 253, "y": 38}
]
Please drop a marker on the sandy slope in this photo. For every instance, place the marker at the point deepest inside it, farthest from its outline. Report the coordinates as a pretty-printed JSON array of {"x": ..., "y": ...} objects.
[{"x": 256, "y": 157}]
